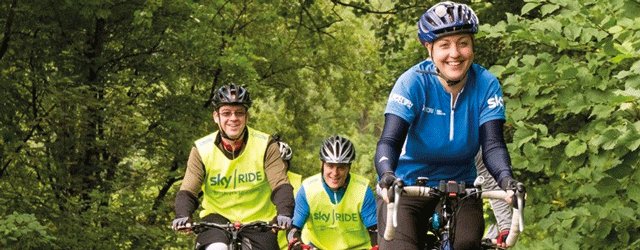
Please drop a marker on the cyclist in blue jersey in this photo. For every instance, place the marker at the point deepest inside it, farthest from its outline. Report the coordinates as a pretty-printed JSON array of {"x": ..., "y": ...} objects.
[
  {"x": 439, "y": 113},
  {"x": 335, "y": 209}
]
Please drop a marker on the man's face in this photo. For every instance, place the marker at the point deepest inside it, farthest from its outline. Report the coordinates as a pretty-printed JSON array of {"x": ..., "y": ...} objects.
[
  {"x": 232, "y": 119},
  {"x": 335, "y": 174},
  {"x": 453, "y": 55}
]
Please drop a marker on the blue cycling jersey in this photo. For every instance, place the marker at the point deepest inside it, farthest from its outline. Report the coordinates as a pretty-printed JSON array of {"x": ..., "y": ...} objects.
[{"x": 443, "y": 139}]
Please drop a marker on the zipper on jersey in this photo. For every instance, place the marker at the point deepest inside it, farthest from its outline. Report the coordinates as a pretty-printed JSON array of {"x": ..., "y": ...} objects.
[{"x": 453, "y": 111}]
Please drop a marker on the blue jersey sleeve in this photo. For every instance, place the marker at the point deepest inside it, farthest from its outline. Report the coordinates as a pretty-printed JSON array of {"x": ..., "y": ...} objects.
[
  {"x": 301, "y": 211},
  {"x": 404, "y": 99},
  {"x": 492, "y": 107},
  {"x": 368, "y": 213}
]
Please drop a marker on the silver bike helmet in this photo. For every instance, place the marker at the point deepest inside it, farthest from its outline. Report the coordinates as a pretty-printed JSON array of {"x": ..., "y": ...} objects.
[
  {"x": 337, "y": 149},
  {"x": 231, "y": 95}
]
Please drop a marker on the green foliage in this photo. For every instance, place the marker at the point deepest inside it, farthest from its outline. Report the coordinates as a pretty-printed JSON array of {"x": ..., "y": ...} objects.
[
  {"x": 24, "y": 231},
  {"x": 574, "y": 108},
  {"x": 100, "y": 102}
]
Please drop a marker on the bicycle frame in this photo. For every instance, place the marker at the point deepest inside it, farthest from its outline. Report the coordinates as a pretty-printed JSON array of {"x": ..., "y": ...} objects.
[{"x": 517, "y": 220}]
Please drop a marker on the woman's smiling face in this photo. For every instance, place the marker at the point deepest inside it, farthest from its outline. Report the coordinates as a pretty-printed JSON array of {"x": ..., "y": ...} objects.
[{"x": 452, "y": 55}]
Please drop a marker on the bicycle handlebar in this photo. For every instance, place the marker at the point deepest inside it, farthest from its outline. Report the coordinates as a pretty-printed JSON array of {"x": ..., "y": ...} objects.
[
  {"x": 517, "y": 219},
  {"x": 198, "y": 227}
]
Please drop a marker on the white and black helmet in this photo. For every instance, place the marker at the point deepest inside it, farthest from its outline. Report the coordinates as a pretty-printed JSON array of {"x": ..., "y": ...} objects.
[
  {"x": 337, "y": 149},
  {"x": 285, "y": 151}
]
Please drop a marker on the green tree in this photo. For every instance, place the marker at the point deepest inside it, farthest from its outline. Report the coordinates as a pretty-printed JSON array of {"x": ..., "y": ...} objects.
[
  {"x": 102, "y": 100},
  {"x": 572, "y": 85}
]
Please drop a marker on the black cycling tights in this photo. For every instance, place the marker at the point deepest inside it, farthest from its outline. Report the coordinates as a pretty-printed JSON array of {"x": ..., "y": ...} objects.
[{"x": 413, "y": 221}]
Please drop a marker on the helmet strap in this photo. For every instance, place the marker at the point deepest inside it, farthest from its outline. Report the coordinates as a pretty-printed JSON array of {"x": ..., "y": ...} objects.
[
  {"x": 449, "y": 82},
  {"x": 235, "y": 144}
]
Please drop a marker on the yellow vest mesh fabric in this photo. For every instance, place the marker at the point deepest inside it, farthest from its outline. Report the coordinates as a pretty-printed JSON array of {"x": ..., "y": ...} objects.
[
  {"x": 236, "y": 189},
  {"x": 295, "y": 180},
  {"x": 336, "y": 226}
]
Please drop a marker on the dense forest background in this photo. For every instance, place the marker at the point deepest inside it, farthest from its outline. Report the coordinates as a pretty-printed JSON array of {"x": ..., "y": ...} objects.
[{"x": 101, "y": 100}]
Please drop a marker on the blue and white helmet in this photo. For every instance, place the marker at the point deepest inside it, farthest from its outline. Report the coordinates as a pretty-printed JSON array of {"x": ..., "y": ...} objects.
[
  {"x": 337, "y": 149},
  {"x": 446, "y": 18}
]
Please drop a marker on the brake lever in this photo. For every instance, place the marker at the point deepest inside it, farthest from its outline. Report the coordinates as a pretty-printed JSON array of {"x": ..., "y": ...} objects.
[
  {"x": 520, "y": 201},
  {"x": 397, "y": 190}
]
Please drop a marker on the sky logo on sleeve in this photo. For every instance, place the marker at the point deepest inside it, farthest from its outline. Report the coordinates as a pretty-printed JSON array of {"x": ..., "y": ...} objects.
[{"x": 495, "y": 101}]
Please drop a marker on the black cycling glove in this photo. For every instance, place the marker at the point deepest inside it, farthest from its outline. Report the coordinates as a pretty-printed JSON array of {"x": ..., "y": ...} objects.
[
  {"x": 387, "y": 179},
  {"x": 508, "y": 183}
]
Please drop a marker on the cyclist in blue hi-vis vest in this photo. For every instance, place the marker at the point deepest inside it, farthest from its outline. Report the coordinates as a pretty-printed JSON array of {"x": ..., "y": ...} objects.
[
  {"x": 439, "y": 113},
  {"x": 241, "y": 175},
  {"x": 334, "y": 209}
]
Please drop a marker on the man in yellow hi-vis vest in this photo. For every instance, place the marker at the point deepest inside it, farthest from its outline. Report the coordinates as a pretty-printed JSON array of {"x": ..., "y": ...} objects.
[
  {"x": 241, "y": 175},
  {"x": 335, "y": 209}
]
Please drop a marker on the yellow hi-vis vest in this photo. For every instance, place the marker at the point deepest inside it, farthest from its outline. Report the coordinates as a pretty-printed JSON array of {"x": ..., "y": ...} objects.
[
  {"x": 335, "y": 226},
  {"x": 296, "y": 181},
  {"x": 236, "y": 189}
]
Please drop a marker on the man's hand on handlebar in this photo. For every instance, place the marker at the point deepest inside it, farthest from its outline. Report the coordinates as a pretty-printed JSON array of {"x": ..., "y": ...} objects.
[
  {"x": 284, "y": 221},
  {"x": 181, "y": 224}
]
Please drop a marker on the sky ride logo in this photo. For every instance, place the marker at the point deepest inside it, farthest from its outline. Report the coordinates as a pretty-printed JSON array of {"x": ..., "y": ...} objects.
[
  {"x": 235, "y": 179},
  {"x": 335, "y": 217}
]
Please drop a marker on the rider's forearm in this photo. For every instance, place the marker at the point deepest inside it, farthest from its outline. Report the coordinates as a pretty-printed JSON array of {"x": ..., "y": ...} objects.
[
  {"x": 501, "y": 208},
  {"x": 390, "y": 144},
  {"x": 186, "y": 203},
  {"x": 282, "y": 197},
  {"x": 281, "y": 189},
  {"x": 494, "y": 151}
]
